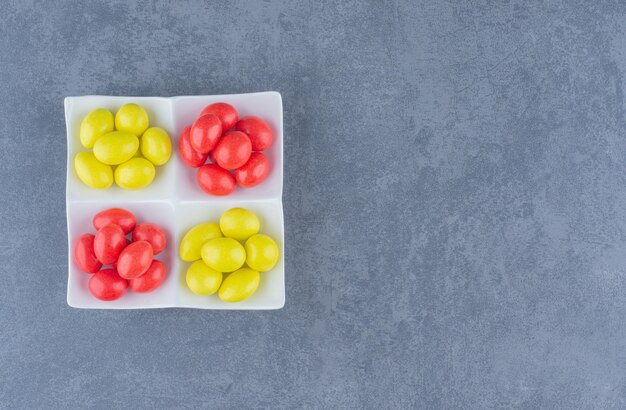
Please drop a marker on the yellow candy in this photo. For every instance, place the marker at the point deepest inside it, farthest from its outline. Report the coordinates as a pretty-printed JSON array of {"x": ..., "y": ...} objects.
[
  {"x": 239, "y": 285},
  {"x": 131, "y": 118},
  {"x": 92, "y": 172},
  {"x": 196, "y": 237},
  {"x": 156, "y": 145},
  {"x": 203, "y": 280},
  {"x": 94, "y": 125},
  {"x": 116, "y": 147},
  {"x": 261, "y": 252},
  {"x": 223, "y": 254},
  {"x": 136, "y": 173},
  {"x": 239, "y": 223}
]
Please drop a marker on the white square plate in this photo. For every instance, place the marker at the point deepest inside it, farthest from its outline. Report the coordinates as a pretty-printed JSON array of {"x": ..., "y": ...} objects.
[{"x": 175, "y": 201}]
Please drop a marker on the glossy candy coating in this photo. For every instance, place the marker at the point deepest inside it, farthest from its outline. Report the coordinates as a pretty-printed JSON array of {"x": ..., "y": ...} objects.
[
  {"x": 136, "y": 173},
  {"x": 254, "y": 171},
  {"x": 95, "y": 124},
  {"x": 261, "y": 252},
  {"x": 239, "y": 285},
  {"x": 115, "y": 147},
  {"x": 215, "y": 180},
  {"x": 239, "y": 223},
  {"x": 223, "y": 254},
  {"x": 151, "y": 279},
  {"x": 188, "y": 154},
  {"x": 233, "y": 150},
  {"x": 205, "y": 132},
  {"x": 257, "y": 130},
  {"x": 84, "y": 255},
  {"x": 125, "y": 219},
  {"x": 131, "y": 118},
  {"x": 92, "y": 172},
  {"x": 203, "y": 280},
  {"x": 156, "y": 145},
  {"x": 227, "y": 114},
  {"x": 108, "y": 243},
  {"x": 135, "y": 260},
  {"x": 195, "y": 238},
  {"x": 107, "y": 285},
  {"x": 151, "y": 233}
]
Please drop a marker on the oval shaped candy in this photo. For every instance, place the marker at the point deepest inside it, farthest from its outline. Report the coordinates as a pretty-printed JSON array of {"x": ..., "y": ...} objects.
[
  {"x": 254, "y": 171},
  {"x": 151, "y": 279},
  {"x": 195, "y": 238},
  {"x": 203, "y": 280},
  {"x": 107, "y": 285},
  {"x": 156, "y": 145},
  {"x": 261, "y": 252},
  {"x": 225, "y": 112},
  {"x": 223, "y": 254},
  {"x": 92, "y": 172},
  {"x": 118, "y": 216},
  {"x": 258, "y": 130},
  {"x": 151, "y": 233},
  {"x": 239, "y": 285},
  {"x": 131, "y": 118},
  {"x": 215, "y": 180},
  {"x": 135, "y": 260},
  {"x": 84, "y": 255},
  {"x": 136, "y": 173},
  {"x": 95, "y": 124},
  {"x": 188, "y": 154},
  {"x": 108, "y": 243},
  {"x": 239, "y": 223},
  {"x": 233, "y": 150},
  {"x": 115, "y": 147},
  {"x": 205, "y": 132}
]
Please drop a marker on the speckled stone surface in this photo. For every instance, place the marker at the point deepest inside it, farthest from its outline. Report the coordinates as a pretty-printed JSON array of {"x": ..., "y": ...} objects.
[{"x": 455, "y": 205}]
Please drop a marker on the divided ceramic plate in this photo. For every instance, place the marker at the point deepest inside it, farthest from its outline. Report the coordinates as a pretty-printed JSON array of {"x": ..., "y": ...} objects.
[{"x": 175, "y": 201}]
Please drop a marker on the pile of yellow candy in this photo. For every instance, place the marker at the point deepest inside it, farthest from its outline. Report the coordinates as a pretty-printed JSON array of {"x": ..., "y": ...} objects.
[
  {"x": 217, "y": 249},
  {"x": 115, "y": 142}
]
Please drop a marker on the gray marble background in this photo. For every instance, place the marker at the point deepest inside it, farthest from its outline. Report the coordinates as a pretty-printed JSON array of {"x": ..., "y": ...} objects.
[{"x": 454, "y": 204}]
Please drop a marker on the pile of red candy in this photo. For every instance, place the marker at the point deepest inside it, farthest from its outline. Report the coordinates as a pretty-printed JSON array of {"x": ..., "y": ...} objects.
[
  {"x": 232, "y": 144},
  {"x": 131, "y": 260}
]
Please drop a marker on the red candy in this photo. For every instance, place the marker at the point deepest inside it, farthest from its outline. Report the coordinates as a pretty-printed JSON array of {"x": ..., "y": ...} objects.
[
  {"x": 135, "y": 260},
  {"x": 226, "y": 113},
  {"x": 107, "y": 285},
  {"x": 258, "y": 130},
  {"x": 84, "y": 255},
  {"x": 118, "y": 216},
  {"x": 130, "y": 260},
  {"x": 233, "y": 150},
  {"x": 188, "y": 154},
  {"x": 152, "y": 234},
  {"x": 227, "y": 149},
  {"x": 215, "y": 180},
  {"x": 254, "y": 171},
  {"x": 149, "y": 281},
  {"x": 205, "y": 132},
  {"x": 109, "y": 243}
]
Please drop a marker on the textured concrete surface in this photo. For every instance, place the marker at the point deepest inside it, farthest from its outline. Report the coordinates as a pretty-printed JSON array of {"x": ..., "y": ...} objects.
[{"x": 455, "y": 205}]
